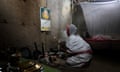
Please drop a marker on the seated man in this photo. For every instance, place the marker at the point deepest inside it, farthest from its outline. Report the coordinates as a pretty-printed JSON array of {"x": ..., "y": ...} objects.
[{"x": 79, "y": 50}]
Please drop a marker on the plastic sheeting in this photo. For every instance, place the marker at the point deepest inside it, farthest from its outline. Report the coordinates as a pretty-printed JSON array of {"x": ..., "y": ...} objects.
[{"x": 102, "y": 17}]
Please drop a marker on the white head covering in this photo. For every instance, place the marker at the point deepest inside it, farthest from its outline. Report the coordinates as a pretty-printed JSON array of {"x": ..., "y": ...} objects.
[{"x": 72, "y": 29}]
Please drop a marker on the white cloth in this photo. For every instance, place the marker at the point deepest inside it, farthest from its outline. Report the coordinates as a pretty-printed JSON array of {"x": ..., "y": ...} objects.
[{"x": 76, "y": 44}]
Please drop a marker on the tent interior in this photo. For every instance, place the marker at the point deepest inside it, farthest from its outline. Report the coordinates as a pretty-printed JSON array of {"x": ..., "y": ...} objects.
[{"x": 26, "y": 36}]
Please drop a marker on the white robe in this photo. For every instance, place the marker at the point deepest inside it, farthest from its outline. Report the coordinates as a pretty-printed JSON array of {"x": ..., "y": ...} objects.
[{"x": 76, "y": 44}]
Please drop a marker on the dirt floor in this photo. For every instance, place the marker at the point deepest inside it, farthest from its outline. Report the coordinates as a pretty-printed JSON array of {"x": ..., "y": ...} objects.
[{"x": 104, "y": 61}]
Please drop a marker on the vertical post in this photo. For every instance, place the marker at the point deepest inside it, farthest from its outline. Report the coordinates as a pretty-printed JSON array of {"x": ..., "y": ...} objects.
[
  {"x": 43, "y": 3},
  {"x": 71, "y": 10}
]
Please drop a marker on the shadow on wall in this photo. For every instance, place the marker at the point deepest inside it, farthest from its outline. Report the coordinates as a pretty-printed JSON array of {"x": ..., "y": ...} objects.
[
  {"x": 19, "y": 23},
  {"x": 79, "y": 20}
]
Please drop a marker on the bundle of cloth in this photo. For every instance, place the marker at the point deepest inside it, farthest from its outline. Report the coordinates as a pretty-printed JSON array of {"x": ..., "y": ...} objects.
[{"x": 101, "y": 37}]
